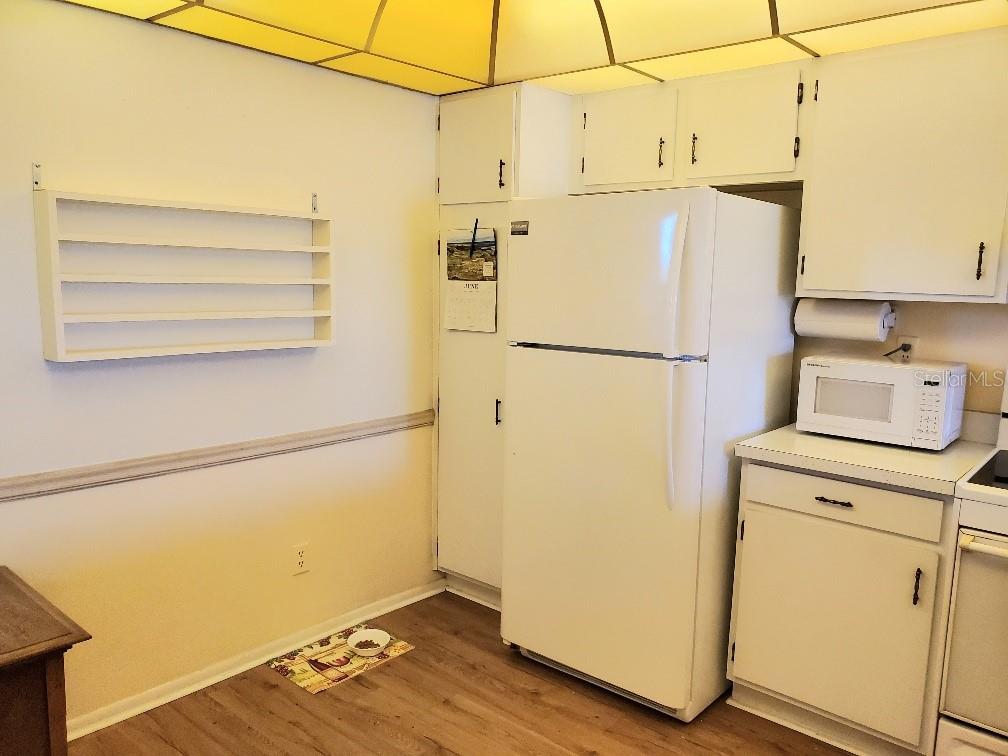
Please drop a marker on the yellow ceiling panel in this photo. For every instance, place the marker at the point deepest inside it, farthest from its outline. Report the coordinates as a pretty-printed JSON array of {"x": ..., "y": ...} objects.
[
  {"x": 646, "y": 28},
  {"x": 400, "y": 74},
  {"x": 449, "y": 36},
  {"x": 800, "y": 15},
  {"x": 211, "y": 23},
  {"x": 347, "y": 22},
  {"x": 134, "y": 8},
  {"x": 541, "y": 37},
  {"x": 594, "y": 80},
  {"x": 747, "y": 55},
  {"x": 935, "y": 22}
]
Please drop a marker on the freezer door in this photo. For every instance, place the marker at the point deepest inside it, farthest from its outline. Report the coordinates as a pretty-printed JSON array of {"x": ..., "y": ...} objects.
[
  {"x": 605, "y": 270},
  {"x": 601, "y": 515}
]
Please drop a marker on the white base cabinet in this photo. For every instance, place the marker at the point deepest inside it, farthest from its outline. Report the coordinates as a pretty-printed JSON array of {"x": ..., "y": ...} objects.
[
  {"x": 836, "y": 616},
  {"x": 842, "y": 587}
]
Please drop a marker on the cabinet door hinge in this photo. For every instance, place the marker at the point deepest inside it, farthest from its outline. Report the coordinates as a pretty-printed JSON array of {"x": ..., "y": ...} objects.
[
  {"x": 802, "y": 271},
  {"x": 801, "y": 92},
  {"x": 439, "y": 247},
  {"x": 584, "y": 124},
  {"x": 815, "y": 95},
  {"x": 437, "y": 185},
  {"x": 741, "y": 536},
  {"x": 439, "y": 122},
  {"x": 582, "y": 164},
  {"x": 733, "y": 652},
  {"x": 797, "y": 146}
]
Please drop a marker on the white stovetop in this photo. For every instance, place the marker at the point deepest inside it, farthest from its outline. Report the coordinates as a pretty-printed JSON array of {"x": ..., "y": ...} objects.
[{"x": 922, "y": 470}]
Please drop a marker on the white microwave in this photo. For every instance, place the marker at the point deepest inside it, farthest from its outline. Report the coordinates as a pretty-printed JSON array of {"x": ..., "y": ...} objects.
[{"x": 917, "y": 404}]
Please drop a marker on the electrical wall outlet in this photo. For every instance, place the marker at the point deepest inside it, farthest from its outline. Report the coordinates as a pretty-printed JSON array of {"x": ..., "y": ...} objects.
[
  {"x": 299, "y": 564},
  {"x": 909, "y": 354}
]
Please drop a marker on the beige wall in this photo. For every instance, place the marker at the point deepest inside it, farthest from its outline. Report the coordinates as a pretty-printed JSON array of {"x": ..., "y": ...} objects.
[
  {"x": 976, "y": 334},
  {"x": 176, "y": 573}
]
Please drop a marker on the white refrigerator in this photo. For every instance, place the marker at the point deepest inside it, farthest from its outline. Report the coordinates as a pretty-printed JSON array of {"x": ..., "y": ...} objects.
[{"x": 647, "y": 333}]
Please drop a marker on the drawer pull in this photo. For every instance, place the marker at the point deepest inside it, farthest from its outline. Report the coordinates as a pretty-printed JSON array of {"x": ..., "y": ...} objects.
[
  {"x": 917, "y": 577},
  {"x": 824, "y": 500}
]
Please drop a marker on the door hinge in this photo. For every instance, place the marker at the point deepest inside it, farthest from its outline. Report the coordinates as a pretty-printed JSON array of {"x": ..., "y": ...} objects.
[
  {"x": 741, "y": 536},
  {"x": 801, "y": 92},
  {"x": 797, "y": 146},
  {"x": 582, "y": 164},
  {"x": 733, "y": 652},
  {"x": 439, "y": 247},
  {"x": 815, "y": 95},
  {"x": 437, "y": 185},
  {"x": 439, "y": 122},
  {"x": 802, "y": 271},
  {"x": 584, "y": 124}
]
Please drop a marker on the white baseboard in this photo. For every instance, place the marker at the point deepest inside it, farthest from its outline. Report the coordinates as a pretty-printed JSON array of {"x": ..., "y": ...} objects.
[
  {"x": 474, "y": 590},
  {"x": 182, "y": 686}
]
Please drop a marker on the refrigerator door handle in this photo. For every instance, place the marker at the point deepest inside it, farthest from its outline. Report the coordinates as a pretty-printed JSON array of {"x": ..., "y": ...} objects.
[
  {"x": 669, "y": 438},
  {"x": 673, "y": 240}
]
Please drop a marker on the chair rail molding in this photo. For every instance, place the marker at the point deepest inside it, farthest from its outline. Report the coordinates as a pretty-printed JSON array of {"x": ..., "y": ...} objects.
[{"x": 78, "y": 478}]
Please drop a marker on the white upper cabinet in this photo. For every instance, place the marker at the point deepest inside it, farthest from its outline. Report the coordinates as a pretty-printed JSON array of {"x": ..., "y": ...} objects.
[
  {"x": 476, "y": 146},
  {"x": 744, "y": 124},
  {"x": 629, "y": 135},
  {"x": 908, "y": 184}
]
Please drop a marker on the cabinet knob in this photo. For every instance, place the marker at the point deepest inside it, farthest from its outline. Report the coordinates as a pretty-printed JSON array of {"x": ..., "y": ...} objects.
[{"x": 980, "y": 252}]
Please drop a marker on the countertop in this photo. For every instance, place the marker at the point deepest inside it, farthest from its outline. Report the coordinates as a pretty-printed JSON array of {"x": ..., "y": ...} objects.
[{"x": 918, "y": 469}]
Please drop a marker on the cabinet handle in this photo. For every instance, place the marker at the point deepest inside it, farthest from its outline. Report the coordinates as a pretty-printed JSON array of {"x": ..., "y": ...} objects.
[
  {"x": 693, "y": 151},
  {"x": 824, "y": 500},
  {"x": 980, "y": 261},
  {"x": 497, "y": 419},
  {"x": 500, "y": 174},
  {"x": 661, "y": 146},
  {"x": 917, "y": 577}
]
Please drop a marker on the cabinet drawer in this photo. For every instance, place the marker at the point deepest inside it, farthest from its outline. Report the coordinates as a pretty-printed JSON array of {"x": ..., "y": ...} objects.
[{"x": 914, "y": 516}]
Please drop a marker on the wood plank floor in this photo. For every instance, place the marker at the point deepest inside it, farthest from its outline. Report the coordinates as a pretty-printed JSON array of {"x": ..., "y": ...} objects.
[{"x": 460, "y": 691}]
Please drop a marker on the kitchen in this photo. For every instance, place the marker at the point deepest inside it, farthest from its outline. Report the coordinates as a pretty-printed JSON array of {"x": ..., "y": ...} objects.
[{"x": 680, "y": 374}]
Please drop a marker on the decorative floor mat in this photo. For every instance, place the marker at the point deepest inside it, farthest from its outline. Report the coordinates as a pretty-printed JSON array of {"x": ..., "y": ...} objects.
[{"x": 329, "y": 661}]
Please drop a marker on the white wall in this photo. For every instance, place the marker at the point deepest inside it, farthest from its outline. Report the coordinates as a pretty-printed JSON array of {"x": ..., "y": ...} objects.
[{"x": 191, "y": 568}]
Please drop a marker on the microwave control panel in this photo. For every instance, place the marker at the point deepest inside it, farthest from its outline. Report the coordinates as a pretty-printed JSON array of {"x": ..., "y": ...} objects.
[{"x": 930, "y": 414}]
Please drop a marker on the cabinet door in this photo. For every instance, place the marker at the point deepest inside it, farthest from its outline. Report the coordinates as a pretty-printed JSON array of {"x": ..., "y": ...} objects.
[
  {"x": 476, "y": 146},
  {"x": 910, "y": 172},
  {"x": 826, "y": 616},
  {"x": 470, "y": 441},
  {"x": 741, "y": 125},
  {"x": 629, "y": 135}
]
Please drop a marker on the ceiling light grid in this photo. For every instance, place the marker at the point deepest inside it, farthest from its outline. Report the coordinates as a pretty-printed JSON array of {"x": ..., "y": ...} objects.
[{"x": 444, "y": 46}]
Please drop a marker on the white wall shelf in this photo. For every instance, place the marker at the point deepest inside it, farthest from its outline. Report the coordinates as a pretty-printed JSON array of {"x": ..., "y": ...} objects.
[
  {"x": 139, "y": 317},
  {"x": 123, "y": 277},
  {"x": 139, "y": 241}
]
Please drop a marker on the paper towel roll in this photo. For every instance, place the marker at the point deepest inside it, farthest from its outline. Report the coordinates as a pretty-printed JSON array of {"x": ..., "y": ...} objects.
[{"x": 844, "y": 319}]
